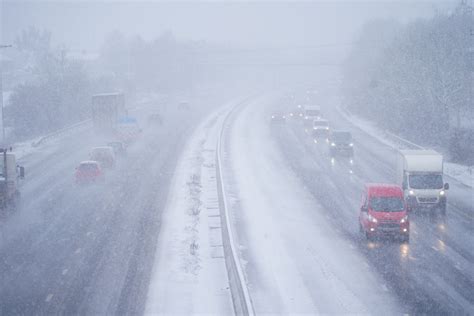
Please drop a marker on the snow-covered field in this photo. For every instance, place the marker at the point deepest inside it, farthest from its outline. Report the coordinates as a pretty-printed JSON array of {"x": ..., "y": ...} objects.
[{"x": 295, "y": 260}]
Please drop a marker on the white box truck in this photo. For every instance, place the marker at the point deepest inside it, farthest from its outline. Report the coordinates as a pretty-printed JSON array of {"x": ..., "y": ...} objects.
[{"x": 420, "y": 173}]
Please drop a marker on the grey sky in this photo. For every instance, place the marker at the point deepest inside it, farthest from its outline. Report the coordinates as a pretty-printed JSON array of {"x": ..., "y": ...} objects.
[{"x": 83, "y": 24}]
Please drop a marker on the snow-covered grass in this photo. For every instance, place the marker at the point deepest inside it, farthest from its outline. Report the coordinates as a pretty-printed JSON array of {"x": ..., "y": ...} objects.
[{"x": 463, "y": 174}]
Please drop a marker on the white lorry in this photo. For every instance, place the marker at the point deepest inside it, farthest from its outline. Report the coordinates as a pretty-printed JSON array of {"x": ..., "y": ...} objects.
[
  {"x": 10, "y": 174},
  {"x": 420, "y": 173}
]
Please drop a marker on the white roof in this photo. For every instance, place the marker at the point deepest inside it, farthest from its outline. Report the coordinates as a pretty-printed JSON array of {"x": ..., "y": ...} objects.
[
  {"x": 89, "y": 162},
  {"x": 419, "y": 152},
  {"x": 102, "y": 148},
  {"x": 423, "y": 160},
  {"x": 107, "y": 94}
]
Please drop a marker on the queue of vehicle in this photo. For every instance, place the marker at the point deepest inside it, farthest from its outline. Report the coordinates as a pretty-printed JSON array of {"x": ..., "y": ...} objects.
[{"x": 385, "y": 207}]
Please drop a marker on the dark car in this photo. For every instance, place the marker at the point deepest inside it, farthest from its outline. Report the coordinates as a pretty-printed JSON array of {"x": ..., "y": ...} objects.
[
  {"x": 341, "y": 143},
  {"x": 119, "y": 148},
  {"x": 155, "y": 119}
]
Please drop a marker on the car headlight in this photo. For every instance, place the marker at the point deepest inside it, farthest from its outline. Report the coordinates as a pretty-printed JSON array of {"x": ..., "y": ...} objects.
[
  {"x": 351, "y": 144},
  {"x": 273, "y": 116},
  {"x": 372, "y": 219},
  {"x": 291, "y": 114},
  {"x": 333, "y": 145},
  {"x": 442, "y": 192},
  {"x": 305, "y": 117},
  {"x": 411, "y": 192},
  {"x": 284, "y": 116},
  {"x": 327, "y": 128},
  {"x": 404, "y": 219}
]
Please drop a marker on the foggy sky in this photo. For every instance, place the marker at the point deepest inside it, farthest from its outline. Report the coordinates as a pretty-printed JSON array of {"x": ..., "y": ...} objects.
[{"x": 82, "y": 25}]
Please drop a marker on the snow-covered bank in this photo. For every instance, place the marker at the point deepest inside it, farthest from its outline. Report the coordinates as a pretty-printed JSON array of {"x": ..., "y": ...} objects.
[
  {"x": 189, "y": 275},
  {"x": 463, "y": 174},
  {"x": 295, "y": 260}
]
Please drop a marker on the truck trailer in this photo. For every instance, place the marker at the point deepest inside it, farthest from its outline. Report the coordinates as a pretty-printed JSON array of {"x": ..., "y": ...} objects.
[{"x": 107, "y": 108}]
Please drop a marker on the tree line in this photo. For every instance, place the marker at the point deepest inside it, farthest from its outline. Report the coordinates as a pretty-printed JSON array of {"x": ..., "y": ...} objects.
[
  {"x": 58, "y": 88},
  {"x": 415, "y": 79}
]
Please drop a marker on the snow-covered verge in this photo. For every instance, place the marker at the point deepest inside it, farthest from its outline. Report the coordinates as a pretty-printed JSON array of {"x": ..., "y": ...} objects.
[
  {"x": 189, "y": 275},
  {"x": 463, "y": 174},
  {"x": 294, "y": 259}
]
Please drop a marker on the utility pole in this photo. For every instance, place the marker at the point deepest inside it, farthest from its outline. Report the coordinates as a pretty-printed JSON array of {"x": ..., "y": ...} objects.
[{"x": 1, "y": 94}]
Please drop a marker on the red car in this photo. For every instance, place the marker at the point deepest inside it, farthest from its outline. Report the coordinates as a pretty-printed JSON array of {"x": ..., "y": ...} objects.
[
  {"x": 88, "y": 171},
  {"x": 384, "y": 212}
]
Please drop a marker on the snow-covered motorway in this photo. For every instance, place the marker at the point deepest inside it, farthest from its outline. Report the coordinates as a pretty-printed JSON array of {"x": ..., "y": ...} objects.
[
  {"x": 90, "y": 249},
  {"x": 107, "y": 249},
  {"x": 296, "y": 217}
]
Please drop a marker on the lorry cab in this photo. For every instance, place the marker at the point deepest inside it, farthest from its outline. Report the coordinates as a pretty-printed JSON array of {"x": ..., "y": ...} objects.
[
  {"x": 420, "y": 174},
  {"x": 384, "y": 212}
]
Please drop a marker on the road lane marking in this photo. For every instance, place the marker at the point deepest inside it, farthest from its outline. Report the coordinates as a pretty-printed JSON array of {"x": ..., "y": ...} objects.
[
  {"x": 78, "y": 251},
  {"x": 48, "y": 298},
  {"x": 65, "y": 271},
  {"x": 434, "y": 248}
]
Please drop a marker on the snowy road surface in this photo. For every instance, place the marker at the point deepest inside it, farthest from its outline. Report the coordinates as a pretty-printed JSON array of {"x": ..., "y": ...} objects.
[
  {"x": 90, "y": 249},
  {"x": 434, "y": 273},
  {"x": 296, "y": 260},
  {"x": 148, "y": 240}
]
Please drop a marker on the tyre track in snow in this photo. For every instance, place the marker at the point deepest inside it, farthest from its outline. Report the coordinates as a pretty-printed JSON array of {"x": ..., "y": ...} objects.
[{"x": 427, "y": 275}]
